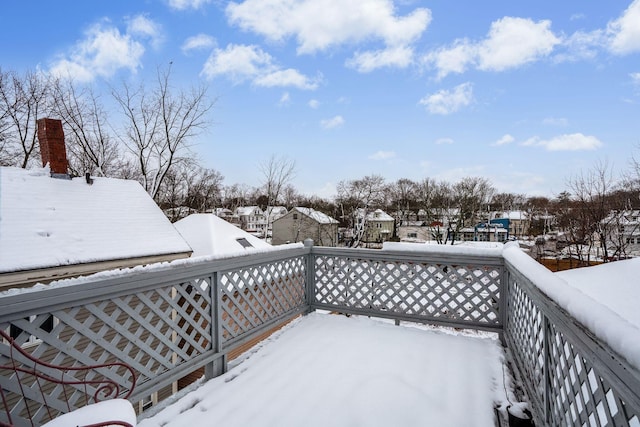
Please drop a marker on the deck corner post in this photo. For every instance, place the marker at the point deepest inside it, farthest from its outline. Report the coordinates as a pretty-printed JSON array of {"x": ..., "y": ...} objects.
[{"x": 310, "y": 277}]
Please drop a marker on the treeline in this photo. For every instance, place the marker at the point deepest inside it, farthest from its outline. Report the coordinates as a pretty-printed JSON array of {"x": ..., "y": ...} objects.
[{"x": 149, "y": 132}]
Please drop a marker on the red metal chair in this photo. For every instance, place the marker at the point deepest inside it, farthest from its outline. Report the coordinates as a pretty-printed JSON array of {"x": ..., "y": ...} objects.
[{"x": 27, "y": 374}]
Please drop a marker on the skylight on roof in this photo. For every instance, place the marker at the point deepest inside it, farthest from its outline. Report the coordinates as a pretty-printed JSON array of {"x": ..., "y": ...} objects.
[{"x": 244, "y": 242}]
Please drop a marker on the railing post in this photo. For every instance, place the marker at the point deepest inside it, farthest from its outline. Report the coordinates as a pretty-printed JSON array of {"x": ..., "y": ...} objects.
[
  {"x": 546, "y": 356},
  {"x": 503, "y": 303},
  {"x": 310, "y": 277},
  {"x": 219, "y": 365}
]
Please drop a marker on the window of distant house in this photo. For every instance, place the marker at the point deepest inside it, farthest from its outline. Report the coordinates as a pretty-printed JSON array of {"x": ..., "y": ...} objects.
[
  {"x": 295, "y": 216},
  {"x": 244, "y": 242},
  {"x": 412, "y": 235}
]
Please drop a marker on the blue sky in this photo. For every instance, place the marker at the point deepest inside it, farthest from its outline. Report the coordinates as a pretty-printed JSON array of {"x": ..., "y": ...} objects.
[{"x": 524, "y": 93}]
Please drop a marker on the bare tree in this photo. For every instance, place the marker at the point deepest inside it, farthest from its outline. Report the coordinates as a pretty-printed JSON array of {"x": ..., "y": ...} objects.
[
  {"x": 160, "y": 124},
  {"x": 277, "y": 172},
  {"x": 591, "y": 191},
  {"x": 23, "y": 100},
  {"x": 90, "y": 144},
  {"x": 403, "y": 197},
  {"x": 356, "y": 198},
  {"x": 471, "y": 196}
]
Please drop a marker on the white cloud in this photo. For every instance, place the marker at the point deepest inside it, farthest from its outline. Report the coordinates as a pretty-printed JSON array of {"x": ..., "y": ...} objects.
[
  {"x": 285, "y": 99},
  {"x": 582, "y": 45},
  {"x": 555, "y": 121},
  {"x": 198, "y": 42},
  {"x": 103, "y": 52},
  {"x": 382, "y": 155},
  {"x": 332, "y": 123},
  {"x": 142, "y": 26},
  {"x": 577, "y": 16},
  {"x": 624, "y": 32},
  {"x": 320, "y": 26},
  {"x": 513, "y": 42},
  {"x": 242, "y": 62},
  {"x": 287, "y": 78},
  {"x": 447, "y": 102},
  {"x": 440, "y": 141},
  {"x": 187, "y": 4},
  {"x": 635, "y": 78},
  {"x": 314, "y": 103},
  {"x": 568, "y": 142},
  {"x": 506, "y": 139},
  {"x": 454, "y": 59},
  {"x": 510, "y": 43},
  {"x": 365, "y": 62}
]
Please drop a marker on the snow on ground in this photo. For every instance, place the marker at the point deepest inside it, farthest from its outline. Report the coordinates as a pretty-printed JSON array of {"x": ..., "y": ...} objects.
[{"x": 330, "y": 370}]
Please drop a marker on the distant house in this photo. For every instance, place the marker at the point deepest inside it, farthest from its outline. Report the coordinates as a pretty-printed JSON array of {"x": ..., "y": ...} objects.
[
  {"x": 375, "y": 227},
  {"x": 483, "y": 233},
  {"x": 252, "y": 220},
  {"x": 519, "y": 222},
  {"x": 224, "y": 213},
  {"x": 209, "y": 235},
  {"x": 302, "y": 223},
  {"x": 623, "y": 233},
  {"x": 272, "y": 213},
  {"x": 54, "y": 227}
]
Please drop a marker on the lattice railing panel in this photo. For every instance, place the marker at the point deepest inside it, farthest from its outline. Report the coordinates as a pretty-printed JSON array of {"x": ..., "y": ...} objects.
[
  {"x": 579, "y": 396},
  {"x": 524, "y": 328},
  {"x": 427, "y": 290},
  {"x": 253, "y": 296},
  {"x": 576, "y": 394},
  {"x": 153, "y": 331}
]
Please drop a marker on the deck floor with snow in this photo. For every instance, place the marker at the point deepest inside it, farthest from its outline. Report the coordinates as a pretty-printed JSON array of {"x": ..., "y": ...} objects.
[{"x": 332, "y": 370}]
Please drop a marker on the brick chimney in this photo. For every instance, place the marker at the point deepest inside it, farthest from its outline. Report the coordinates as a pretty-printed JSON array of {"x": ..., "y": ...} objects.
[{"x": 52, "y": 147}]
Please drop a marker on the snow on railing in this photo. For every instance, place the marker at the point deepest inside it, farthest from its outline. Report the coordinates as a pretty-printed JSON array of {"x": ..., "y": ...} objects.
[{"x": 169, "y": 320}]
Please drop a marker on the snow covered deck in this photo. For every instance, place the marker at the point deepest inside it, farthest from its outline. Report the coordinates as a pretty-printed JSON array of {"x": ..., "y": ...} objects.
[{"x": 330, "y": 370}]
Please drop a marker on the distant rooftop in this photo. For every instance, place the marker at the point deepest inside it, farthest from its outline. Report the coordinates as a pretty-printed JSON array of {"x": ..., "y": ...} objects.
[{"x": 208, "y": 235}]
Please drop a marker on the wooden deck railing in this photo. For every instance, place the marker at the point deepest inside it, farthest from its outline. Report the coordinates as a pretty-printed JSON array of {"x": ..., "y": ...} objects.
[{"x": 169, "y": 320}]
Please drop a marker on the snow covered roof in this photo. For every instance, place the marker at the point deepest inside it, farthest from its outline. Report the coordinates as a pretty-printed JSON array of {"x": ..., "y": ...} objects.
[
  {"x": 275, "y": 210},
  {"x": 47, "y": 222},
  {"x": 248, "y": 210},
  {"x": 208, "y": 234},
  {"x": 318, "y": 216},
  {"x": 513, "y": 215},
  {"x": 379, "y": 215}
]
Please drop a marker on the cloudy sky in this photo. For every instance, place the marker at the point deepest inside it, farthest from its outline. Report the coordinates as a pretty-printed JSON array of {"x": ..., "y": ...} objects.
[{"x": 525, "y": 93}]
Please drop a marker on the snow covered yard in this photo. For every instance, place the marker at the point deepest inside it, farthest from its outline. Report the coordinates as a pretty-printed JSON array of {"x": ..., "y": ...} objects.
[{"x": 332, "y": 370}]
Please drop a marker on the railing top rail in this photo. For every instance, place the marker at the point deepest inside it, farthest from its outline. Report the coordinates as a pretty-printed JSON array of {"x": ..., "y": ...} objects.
[
  {"x": 118, "y": 282},
  {"x": 437, "y": 254}
]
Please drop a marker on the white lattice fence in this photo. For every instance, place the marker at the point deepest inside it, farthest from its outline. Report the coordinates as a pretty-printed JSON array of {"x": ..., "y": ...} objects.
[
  {"x": 446, "y": 292},
  {"x": 565, "y": 371},
  {"x": 254, "y": 296},
  {"x": 154, "y": 331}
]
